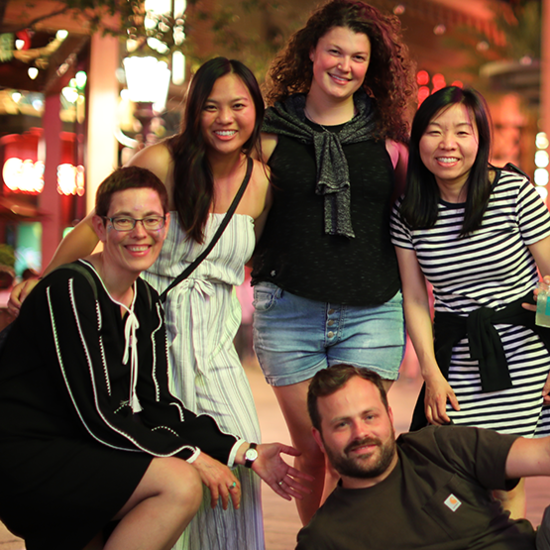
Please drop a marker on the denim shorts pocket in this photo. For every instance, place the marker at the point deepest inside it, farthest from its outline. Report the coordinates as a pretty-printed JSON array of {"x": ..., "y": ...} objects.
[{"x": 265, "y": 295}]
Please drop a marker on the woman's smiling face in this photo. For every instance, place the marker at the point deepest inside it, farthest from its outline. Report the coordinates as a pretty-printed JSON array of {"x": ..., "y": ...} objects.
[
  {"x": 340, "y": 62},
  {"x": 228, "y": 115},
  {"x": 135, "y": 250},
  {"x": 449, "y": 146}
]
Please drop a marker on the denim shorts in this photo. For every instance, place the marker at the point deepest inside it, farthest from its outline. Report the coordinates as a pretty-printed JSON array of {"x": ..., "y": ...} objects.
[{"x": 295, "y": 337}]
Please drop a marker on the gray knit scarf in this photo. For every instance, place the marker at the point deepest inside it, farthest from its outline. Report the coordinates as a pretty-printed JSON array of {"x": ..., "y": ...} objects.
[{"x": 333, "y": 183}]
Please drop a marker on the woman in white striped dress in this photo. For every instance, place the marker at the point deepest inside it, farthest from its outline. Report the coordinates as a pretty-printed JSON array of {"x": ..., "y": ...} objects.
[
  {"x": 477, "y": 234},
  {"x": 203, "y": 168}
]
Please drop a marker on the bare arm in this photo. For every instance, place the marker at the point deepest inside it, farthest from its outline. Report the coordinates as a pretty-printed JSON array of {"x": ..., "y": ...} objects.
[
  {"x": 541, "y": 253},
  {"x": 80, "y": 242},
  {"x": 259, "y": 222},
  {"x": 419, "y": 327},
  {"x": 269, "y": 142},
  {"x": 399, "y": 155},
  {"x": 528, "y": 457},
  {"x": 158, "y": 159}
]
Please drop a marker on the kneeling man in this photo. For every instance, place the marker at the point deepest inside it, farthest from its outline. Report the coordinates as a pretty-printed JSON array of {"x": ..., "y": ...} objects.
[{"x": 429, "y": 490}]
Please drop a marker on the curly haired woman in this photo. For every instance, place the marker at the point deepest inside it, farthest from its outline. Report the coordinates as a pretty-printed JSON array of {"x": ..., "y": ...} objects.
[{"x": 326, "y": 278}]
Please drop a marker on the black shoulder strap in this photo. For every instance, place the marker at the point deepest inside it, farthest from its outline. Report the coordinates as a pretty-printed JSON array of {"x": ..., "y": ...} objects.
[
  {"x": 77, "y": 266},
  {"x": 513, "y": 168},
  {"x": 186, "y": 272},
  {"x": 147, "y": 287}
]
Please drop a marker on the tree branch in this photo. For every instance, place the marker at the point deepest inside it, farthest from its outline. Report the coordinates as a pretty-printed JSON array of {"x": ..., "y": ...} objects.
[{"x": 28, "y": 24}]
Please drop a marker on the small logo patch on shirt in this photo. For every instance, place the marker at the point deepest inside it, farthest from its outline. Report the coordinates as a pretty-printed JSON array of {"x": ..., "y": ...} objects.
[{"x": 452, "y": 503}]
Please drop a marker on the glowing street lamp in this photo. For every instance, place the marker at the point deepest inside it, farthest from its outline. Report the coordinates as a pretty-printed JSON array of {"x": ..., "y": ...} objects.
[{"x": 147, "y": 80}]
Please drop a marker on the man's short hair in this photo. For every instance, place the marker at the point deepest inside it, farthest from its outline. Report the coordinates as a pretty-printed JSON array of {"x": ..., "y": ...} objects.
[
  {"x": 130, "y": 177},
  {"x": 330, "y": 380}
]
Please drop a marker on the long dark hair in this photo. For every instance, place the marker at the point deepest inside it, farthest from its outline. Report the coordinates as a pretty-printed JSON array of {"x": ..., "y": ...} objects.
[
  {"x": 420, "y": 204},
  {"x": 193, "y": 181},
  {"x": 389, "y": 79}
]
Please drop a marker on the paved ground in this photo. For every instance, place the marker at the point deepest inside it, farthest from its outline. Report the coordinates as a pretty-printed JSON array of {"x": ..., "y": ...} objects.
[{"x": 281, "y": 519}]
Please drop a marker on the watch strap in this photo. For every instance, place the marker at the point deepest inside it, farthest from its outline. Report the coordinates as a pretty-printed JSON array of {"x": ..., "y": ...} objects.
[{"x": 247, "y": 462}]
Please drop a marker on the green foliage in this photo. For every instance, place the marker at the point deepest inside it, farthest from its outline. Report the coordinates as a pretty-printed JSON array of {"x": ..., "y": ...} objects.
[
  {"x": 523, "y": 31},
  {"x": 7, "y": 255},
  {"x": 91, "y": 11},
  {"x": 521, "y": 25},
  {"x": 252, "y": 31},
  {"x": 249, "y": 30}
]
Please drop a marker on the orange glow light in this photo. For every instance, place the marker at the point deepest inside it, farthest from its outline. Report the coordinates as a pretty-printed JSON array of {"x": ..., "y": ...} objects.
[
  {"x": 70, "y": 180},
  {"x": 438, "y": 81},
  {"x": 422, "y": 78},
  {"x": 23, "y": 175}
]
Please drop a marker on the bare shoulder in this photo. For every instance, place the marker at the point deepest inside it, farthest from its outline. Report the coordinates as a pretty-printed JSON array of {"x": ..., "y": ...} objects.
[
  {"x": 269, "y": 142},
  {"x": 256, "y": 197},
  {"x": 263, "y": 197},
  {"x": 156, "y": 158},
  {"x": 398, "y": 152},
  {"x": 260, "y": 175}
]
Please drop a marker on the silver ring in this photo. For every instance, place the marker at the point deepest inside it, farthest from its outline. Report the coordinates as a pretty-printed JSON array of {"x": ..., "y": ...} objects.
[{"x": 233, "y": 485}]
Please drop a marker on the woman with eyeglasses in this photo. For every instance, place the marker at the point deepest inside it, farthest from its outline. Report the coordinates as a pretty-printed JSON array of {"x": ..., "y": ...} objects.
[
  {"x": 90, "y": 433},
  {"x": 202, "y": 169}
]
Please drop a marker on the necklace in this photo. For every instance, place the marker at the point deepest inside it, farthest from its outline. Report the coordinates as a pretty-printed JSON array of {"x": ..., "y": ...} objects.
[{"x": 310, "y": 118}]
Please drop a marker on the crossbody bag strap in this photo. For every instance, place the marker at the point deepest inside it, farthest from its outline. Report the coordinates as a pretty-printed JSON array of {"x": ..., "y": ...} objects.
[{"x": 190, "y": 268}]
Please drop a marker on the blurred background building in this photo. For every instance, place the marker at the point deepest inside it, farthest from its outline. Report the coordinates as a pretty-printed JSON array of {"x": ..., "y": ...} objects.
[{"x": 82, "y": 88}]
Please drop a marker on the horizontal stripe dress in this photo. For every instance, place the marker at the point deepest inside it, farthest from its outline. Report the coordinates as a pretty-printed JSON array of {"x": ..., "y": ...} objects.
[
  {"x": 202, "y": 316},
  {"x": 491, "y": 267}
]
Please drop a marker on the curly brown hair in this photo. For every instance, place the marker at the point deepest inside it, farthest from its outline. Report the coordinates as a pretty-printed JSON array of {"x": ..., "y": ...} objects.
[{"x": 390, "y": 76}]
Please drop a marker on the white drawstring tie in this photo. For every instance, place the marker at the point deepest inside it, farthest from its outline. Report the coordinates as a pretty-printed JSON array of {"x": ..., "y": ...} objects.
[{"x": 130, "y": 352}]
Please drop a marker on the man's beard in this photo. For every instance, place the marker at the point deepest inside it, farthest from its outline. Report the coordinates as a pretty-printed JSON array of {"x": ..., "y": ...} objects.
[{"x": 358, "y": 467}]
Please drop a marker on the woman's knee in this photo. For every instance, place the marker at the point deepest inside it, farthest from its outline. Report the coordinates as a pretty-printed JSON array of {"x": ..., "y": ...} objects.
[
  {"x": 185, "y": 485},
  {"x": 172, "y": 480}
]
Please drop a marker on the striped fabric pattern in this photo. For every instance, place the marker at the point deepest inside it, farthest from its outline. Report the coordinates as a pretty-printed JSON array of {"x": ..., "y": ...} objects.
[
  {"x": 491, "y": 267},
  {"x": 202, "y": 317}
]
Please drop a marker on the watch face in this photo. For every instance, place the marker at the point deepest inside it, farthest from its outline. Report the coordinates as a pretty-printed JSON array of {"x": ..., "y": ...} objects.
[{"x": 251, "y": 454}]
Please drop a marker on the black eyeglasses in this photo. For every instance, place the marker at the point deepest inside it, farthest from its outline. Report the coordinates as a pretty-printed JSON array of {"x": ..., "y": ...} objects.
[{"x": 125, "y": 223}]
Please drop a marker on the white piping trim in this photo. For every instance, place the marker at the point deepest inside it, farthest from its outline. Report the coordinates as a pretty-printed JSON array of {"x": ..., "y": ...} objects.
[{"x": 138, "y": 446}]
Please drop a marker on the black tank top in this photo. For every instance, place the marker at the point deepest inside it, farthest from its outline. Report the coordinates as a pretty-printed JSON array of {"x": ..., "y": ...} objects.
[{"x": 295, "y": 253}]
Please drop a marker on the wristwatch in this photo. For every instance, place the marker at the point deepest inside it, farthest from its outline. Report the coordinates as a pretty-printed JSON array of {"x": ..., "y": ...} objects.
[{"x": 250, "y": 455}]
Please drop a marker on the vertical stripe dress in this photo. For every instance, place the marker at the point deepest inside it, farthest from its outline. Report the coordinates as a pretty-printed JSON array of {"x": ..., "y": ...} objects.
[
  {"x": 202, "y": 318},
  {"x": 491, "y": 267}
]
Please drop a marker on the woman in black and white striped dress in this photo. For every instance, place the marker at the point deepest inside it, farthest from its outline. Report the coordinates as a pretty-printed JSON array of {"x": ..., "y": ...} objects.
[{"x": 477, "y": 234}]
